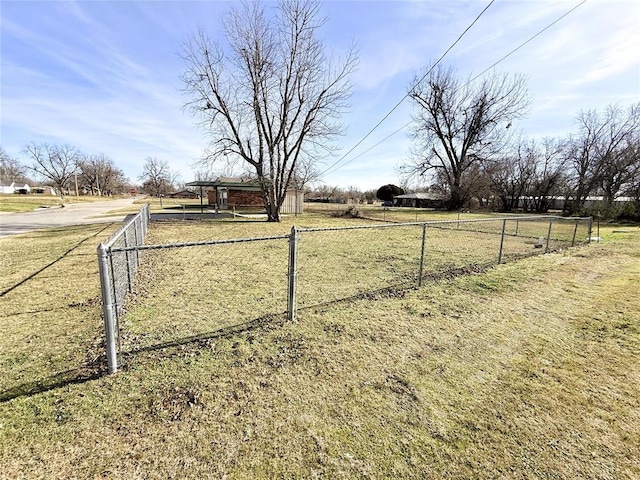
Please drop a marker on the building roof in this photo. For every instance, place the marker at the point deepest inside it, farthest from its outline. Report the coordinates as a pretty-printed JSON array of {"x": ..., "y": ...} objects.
[
  {"x": 226, "y": 182},
  {"x": 420, "y": 196}
]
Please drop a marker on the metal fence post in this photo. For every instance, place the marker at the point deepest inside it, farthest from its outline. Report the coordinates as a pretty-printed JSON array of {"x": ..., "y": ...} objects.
[
  {"x": 517, "y": 225},
  {"x": 575, "y": 230},
  {"x": 144, "y": 219},
  {"x": 147, "y": 217},
  {"x": 424, "y": 238},
  {"x": 590, "y": 229},
  {"x": 116, "y": 304},
  {"x": 136, "y": 239},
  {"x": 504, "y": 227},
  {"x": 546, "y": 248},
  {"x": 128, "y": 261},
  {"x": 107, "y": 309},
  {"x": 293, "y": 273}
]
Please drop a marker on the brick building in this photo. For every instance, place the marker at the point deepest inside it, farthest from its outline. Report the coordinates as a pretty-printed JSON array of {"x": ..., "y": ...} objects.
[{"x": 239, "y": 193}]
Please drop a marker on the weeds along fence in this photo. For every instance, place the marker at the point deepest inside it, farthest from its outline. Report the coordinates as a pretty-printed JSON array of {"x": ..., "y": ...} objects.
[
  {"x": 195, "y": 290},
  {"x": 118, "y": 268}
]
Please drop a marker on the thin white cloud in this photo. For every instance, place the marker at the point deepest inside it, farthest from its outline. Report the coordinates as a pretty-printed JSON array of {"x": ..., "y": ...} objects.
[{"x": 104, "y": 76}]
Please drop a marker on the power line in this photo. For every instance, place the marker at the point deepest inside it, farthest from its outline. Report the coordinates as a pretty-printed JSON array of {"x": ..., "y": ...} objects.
[
  {"x": 527, "y": 41},
  {"x": 407, "y": 94},
  {"x": 375, "y": 144},
  {"x": 424, "y": 76}
]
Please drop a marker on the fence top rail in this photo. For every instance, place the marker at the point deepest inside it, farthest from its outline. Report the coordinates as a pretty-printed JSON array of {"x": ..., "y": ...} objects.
[
  {"x": 128, "y": 224},
  {"x": 326, "y": 229},
  {"x": 444, "y": 222},
  {"x": 199, "y": 244}
]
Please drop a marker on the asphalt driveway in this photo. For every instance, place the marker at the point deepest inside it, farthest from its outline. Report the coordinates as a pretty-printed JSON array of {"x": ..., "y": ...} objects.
[{"x": 73, "y": 214}]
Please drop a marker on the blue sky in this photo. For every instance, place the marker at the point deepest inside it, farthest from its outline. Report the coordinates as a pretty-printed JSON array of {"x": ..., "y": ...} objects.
[{"x": 105, "y": 76}]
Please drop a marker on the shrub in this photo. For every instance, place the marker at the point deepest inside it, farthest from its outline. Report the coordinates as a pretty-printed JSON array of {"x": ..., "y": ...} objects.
[
  {"x": 351, "y": 212},
  {"x": 627, "y": 212},
  {"x": 387, "y": 192}
]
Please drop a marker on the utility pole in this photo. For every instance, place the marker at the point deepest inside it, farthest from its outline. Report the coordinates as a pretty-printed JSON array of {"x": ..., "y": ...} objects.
[{"x": 75, "y": 175}]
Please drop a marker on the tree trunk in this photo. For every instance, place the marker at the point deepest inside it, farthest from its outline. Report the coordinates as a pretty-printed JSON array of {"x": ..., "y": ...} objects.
[
  {"x": 456, "y": 201},
  {"x": 456, "y": 198},
  {"x": 506, "y": 203},
  {"x": 273, "y": 216}
]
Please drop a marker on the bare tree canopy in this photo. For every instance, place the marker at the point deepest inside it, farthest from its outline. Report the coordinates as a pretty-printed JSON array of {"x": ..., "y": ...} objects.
[
  {"x": 271, "y": 96},
  {"x": 11, "y": 170},
  {"x": 529, "y": 175},
  {"x": 53, "y": 163},
  {"x": 458, "y": 125},
  {"x": 100, "y": 175},
  {"x": 549, "y": 174},
  {"x": 602, "y": 153},
  {"x": 156, "y": 177},
  {"x": 512, "y": 173},
  {"x": 621, "y": 167}
]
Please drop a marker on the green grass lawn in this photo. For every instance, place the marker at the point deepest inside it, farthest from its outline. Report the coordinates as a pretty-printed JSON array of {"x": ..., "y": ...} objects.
[
  {"x": 524, "y": 370},
  {"x": 28, "y": 203}
]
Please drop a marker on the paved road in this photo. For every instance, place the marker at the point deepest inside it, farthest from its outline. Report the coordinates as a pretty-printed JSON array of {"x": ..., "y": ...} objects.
[{"x": 72, "y": 214}]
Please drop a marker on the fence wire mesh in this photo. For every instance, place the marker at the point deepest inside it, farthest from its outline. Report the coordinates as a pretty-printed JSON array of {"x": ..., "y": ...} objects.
[
  {"x": 190, "y": 292},
  {"x": 118, "y": 269},
  {"x": 123, "y": 265},
  {"x": 334, "y": 264},
  {"x": 456, "y": 245},
  {"x": 195, "y": 290}
]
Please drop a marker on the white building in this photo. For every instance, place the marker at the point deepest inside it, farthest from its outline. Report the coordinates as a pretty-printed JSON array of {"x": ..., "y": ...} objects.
[{"x": 9, "y": 189}]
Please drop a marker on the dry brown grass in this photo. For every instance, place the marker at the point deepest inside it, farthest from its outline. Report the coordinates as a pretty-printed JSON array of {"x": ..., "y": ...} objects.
[
  {"x": 218, "y": 286},
  {"x": 49, "y": 303},
  {"x": 528, "y": 370}
]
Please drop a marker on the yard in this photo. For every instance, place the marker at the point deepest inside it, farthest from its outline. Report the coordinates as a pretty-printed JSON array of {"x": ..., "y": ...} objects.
[
  {"x": 28, "y": 203},
  {"x": 522, "y": 370}
]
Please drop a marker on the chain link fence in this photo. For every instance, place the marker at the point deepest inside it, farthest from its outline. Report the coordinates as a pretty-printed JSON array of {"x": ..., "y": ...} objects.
[
  {"x": 118, "y": 261},
  {"x": 192, "y": 290},
  {"x": 195, "y": 290}
]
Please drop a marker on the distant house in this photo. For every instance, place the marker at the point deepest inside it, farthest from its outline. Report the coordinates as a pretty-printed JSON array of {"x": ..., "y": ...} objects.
[
  {"x": 10, "y": 189},
  {"x": 43, "y": 191},
  {"x": 419, "y": 200},
  {"x": 237, "y": 192},
  {"x": 183, "y": 194}
]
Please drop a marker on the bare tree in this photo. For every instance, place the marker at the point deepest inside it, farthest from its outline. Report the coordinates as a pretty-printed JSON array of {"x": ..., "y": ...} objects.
[
  {"x": 205, "y": 175},
  {"x": 53, "y": 163},
  {"x": 270, "y": 97},
  {"x": 511, "y": 174},
  {"x": 549, "y": 175},
  {"x": 459, "y": 125},
  {"x": 620, "y": 165},
  {"x": 326, "y": 193},
  {"x": 100, "y": 175},
  {"x": 11, "y": 170},
  {"x": 632, "y": 187},
  {"x": 305, "y": 173},
  {"x": 89, "y": 174},
  {"x": 596, "y": 147},
  {"x": 156, "y": 176},
  {"x": 113, "y": 179}
]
